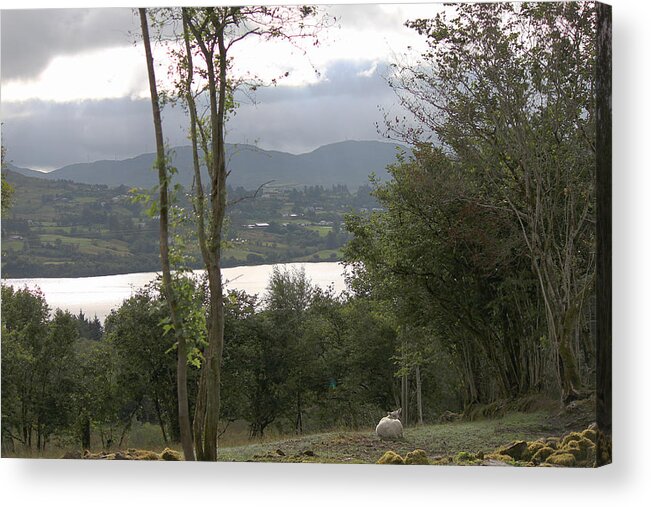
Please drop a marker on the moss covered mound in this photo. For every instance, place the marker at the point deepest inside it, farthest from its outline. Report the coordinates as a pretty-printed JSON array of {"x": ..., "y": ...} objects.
[
  {"x": 575, "y": 449},
  {"x": 391, "y": 458},
  {"x": 130, "y": 455},
  {"x": 468, "y": 458},
  {"x": 562, "y": 459},
  {"x": 500, "y": 457},
  {"x": 541, "y": 455},
  {"x": 416, "y": 457},
  {"x": 171, "y": 455}
]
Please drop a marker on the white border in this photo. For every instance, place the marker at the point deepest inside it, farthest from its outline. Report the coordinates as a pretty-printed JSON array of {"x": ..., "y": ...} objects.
[{"x": 626, "y": 482}]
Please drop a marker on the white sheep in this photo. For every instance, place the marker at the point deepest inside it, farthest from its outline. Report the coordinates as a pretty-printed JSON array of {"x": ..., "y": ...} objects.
[{"x": 390, "y": 427}]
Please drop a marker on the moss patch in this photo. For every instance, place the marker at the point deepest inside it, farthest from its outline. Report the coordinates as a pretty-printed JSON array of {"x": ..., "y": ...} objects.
[
  {"x": 466, "y": 458},
  {"x": 416, "y": 457},
  {"x": 541, "y": 455},
  {"x": 532, "y": 449},
  {"x": 500, "y": 457},
  {"x": 171, "y": 455},
  {"x": 391, "y": 458},
  {"x": 562, "y": 459},
  {"x": 569, "y": 438}
]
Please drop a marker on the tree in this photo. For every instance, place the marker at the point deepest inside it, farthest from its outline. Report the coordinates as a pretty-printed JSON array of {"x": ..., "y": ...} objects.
[
  {"x": 287, "y": 298},
  {"x": 24, "y": 325},
  {"x": 455, "y": 270},
  {"x": 98, "y": 398},
  {"x": 164, "y": 175},
  {"x": 209, "y": 35},
  {"x": 38, "y": 368},
  {"x": 508, "y": 90},
  {"x": 255, "y": 366},
  {"x": 7, "y": 189}
]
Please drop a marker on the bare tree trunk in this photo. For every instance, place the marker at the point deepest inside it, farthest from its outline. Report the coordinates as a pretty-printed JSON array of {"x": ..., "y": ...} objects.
[
  {"x": 419, "y": 398},
  {"x": 85, "y": 432},
  {"x": 181, "y": 380},
  {"x": 405, "y": 398},
  {"x": 126, "y": 429},
  {"x": 159, "y": 416},
  {"x": 208, "y": 418},
  {"x": 200, "y": 416},
  {"x": 299, "y": 413}
]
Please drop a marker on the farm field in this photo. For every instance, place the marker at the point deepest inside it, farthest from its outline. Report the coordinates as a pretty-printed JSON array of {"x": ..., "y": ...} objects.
[{"x": 66, "y": 229}]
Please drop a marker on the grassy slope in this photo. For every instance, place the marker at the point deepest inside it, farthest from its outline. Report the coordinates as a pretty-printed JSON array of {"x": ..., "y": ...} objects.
[
  {"x": 363, "y": 446},
  {"x": 436, "y": 440}
]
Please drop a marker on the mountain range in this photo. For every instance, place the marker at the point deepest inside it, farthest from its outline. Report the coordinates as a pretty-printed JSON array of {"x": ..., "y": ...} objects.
[{"x": 346, "y": 163}]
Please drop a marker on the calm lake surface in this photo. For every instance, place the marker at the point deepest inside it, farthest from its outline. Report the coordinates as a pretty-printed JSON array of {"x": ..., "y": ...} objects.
[{"x": 98, "y": 295}]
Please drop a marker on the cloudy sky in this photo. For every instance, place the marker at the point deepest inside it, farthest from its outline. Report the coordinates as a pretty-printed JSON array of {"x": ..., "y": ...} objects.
[{"x": 78, "y": 91}]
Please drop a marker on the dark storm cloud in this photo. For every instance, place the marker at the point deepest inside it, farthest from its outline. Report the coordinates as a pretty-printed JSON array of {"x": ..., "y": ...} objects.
[
  {"x": 296, "y": 119},
  {"x": 340, "y": 78},
  {"x": 345, "y": 105},
  {"x": 31, "y": 38},
  {"x": 43, "y": 134}
]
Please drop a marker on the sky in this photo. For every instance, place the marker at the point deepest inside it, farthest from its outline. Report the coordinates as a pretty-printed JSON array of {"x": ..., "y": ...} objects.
[{"x": 78, "y": 92}]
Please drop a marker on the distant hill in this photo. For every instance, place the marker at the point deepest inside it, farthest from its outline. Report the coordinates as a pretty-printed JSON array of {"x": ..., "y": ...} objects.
[
  {"x": 25, "y": 172},
  {"x": 347, "y": 163}
]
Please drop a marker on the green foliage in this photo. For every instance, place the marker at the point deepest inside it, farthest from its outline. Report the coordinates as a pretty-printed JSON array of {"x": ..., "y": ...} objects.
[
  {"x": 508, "y": 92},
  {"x": 7, "y": 189},
  {"x": 474, "y": 247},
  {"x": 7, "y": 193},
  {"x": 145, "y": 370},
  {"x": 38, "y": 368},
  {"x": 451, "y": 272}
]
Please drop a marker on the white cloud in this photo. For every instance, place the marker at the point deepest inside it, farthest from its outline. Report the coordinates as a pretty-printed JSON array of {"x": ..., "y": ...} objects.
[
  {"x": 368, "y": 72},
  {"x": 94, "y": 75},
  {"x": 363, "y": 33}
]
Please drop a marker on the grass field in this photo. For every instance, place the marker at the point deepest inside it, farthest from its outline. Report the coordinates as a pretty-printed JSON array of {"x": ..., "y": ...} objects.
[
  {"x": 323, "y": 230},
  {"x": 363, "y": 446}
]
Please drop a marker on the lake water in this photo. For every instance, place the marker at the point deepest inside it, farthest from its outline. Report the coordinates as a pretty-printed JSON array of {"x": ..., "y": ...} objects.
[{"x": 98, "y": 295}]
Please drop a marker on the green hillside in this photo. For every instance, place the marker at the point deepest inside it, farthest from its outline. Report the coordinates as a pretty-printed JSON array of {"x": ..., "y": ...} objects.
[{"x": 62, "y": 228}]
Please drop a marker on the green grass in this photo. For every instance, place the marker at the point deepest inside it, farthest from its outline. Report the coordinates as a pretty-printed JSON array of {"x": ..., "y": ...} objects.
[
  {"x": 89, "y": 245},
  {"x": 14, "y": 245},
  {"x": 365, "y": 447},
  {"x": 323, "y": 230},
  {"x": 438, "y": 441}
]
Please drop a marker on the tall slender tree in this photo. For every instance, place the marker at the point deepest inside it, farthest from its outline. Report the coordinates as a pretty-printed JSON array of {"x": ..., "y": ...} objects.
[{"x": 163, "y": 185}]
